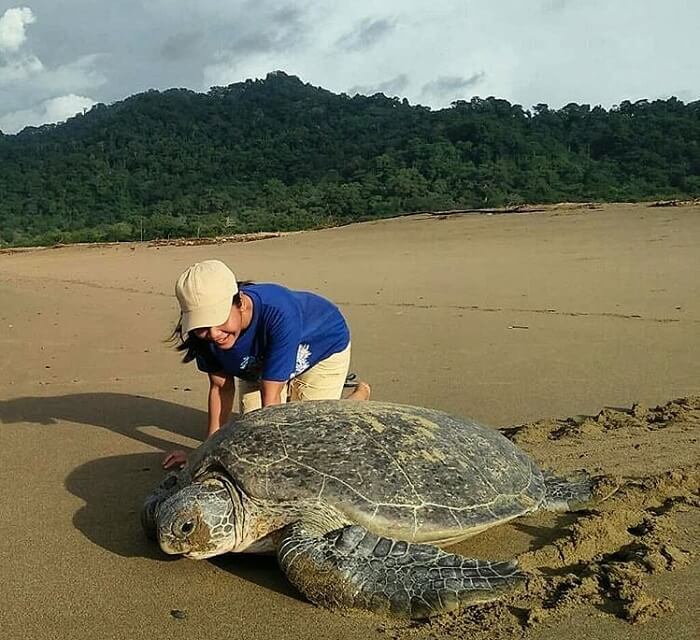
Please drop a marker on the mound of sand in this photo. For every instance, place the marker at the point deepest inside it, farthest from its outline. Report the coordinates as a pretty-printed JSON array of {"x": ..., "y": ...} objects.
[{"x": 603, "y": 555}]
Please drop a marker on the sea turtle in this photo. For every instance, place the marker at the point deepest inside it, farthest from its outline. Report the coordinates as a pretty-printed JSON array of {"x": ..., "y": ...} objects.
[{"x": 353, "y": 498}]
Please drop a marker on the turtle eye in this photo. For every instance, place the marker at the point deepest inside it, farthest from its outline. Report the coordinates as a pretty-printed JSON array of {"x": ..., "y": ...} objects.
[
  {"x": 188, "y": 527},
  {"x": 185, "y": 527}
]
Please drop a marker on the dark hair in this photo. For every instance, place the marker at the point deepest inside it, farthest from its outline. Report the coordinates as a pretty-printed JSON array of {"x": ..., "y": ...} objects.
[{"x": 191, "y": 344}]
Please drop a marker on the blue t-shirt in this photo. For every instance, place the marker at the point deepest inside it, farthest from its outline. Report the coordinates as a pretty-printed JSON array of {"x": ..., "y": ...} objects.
[{"x": 290, "y": 332}]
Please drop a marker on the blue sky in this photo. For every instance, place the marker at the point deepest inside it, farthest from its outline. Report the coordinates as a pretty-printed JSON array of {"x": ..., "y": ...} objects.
[{"x": 58, "y": 57}]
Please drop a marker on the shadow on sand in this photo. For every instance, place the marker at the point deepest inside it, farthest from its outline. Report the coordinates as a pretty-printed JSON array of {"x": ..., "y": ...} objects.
[
  {"x": 119, "y": 412},
  {"x": 113, "y": 488}
]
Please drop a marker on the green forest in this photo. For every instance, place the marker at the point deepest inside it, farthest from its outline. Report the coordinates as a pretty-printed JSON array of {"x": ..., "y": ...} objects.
[{"x": 279, "y": 154}]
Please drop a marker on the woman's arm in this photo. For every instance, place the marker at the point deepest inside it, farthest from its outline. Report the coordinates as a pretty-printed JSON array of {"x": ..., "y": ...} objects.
[
  {"x": 271, "y": 392},
  {"x": 221, "y": 391}
]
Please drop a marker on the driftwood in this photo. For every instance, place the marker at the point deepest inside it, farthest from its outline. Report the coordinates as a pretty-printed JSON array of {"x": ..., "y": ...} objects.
[
  {"x": 188, "y": 242},
  {"x": 160, "y": 242},
  {"x": 675, "y": 203},
  {"x": 494, "y": 210},
  {"x": 519, "y": 208}
]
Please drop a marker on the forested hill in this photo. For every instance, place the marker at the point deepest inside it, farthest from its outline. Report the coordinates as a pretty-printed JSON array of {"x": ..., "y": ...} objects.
[{"x": 278, "y": 154}]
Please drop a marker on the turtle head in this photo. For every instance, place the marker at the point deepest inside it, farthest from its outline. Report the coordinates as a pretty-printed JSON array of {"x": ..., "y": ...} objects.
[{"x": 199, "y": 521}]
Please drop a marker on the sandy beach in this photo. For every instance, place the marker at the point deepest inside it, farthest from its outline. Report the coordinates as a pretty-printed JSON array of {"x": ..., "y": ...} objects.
[{"x": 566, "y": 328}]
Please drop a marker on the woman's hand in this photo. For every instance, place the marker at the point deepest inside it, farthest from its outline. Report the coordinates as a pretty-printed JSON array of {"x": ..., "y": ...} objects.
[{"x": 176, "y": 458}]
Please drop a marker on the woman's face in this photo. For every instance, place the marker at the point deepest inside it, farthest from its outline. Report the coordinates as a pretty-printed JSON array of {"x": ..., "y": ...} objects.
[{"x": 223, "y": 335}]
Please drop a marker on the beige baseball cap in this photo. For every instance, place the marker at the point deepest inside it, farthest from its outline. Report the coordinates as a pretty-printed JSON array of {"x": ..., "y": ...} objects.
[{"x": 205, "y": 292}]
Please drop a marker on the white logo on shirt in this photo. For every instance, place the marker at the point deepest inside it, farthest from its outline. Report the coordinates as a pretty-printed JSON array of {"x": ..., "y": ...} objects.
[{"x": 303, "y": 355}]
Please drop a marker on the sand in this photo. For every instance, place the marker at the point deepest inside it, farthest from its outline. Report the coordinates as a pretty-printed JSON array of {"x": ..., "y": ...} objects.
[{"x": 566, "y": 328}]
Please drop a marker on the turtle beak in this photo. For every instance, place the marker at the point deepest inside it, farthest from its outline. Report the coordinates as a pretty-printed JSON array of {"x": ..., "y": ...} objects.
[{"x": 200, "y": 555}]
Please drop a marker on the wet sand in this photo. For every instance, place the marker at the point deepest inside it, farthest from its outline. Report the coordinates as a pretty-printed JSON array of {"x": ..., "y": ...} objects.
[{"x": 519, "y": 321}]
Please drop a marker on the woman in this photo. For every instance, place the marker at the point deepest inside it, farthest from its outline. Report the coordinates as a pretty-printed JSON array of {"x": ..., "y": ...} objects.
[{"x": 275, "y": 341}]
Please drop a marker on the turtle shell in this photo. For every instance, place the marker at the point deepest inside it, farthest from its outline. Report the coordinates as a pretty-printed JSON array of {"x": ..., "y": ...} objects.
[{"x": 401, "y": 471}]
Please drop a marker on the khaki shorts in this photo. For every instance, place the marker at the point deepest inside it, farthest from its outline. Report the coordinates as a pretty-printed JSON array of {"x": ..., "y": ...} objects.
[{"x": 324, "y": 381}]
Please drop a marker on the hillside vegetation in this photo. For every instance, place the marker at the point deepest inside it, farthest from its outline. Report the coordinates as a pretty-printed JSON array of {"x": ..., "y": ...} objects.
[{"x": 278, "y": 154}]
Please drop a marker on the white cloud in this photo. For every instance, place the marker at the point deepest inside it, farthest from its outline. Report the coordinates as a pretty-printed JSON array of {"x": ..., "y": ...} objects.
[
  {"x": 49, "y": 111},
  {"x": 32, "y": 93},
  {"x": 20, "y": 68},
  {"x": 26, "y": 82},
  {"x": 77, "y": 75},
  {"x": 552, "y": 51},
  {"x": 12, "y": 23}
]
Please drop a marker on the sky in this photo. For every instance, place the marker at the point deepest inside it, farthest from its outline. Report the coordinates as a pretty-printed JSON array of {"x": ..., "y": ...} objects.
[{"x": 60, "y": 57}]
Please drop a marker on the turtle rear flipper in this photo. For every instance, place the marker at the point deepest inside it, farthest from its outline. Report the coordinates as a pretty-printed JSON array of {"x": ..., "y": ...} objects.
[
  {"x": 568, "y": 494},
  {"x": 352, "y": 568}
]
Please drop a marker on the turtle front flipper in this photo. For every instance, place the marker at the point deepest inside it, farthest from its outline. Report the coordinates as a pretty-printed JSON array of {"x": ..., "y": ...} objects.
[
  {"x": 172, "y": 483},
  {"x": 352, "y": 568}
]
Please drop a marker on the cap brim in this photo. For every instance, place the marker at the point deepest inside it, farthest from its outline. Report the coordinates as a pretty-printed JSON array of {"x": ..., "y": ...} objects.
[{"x": 210, "y": 316}]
